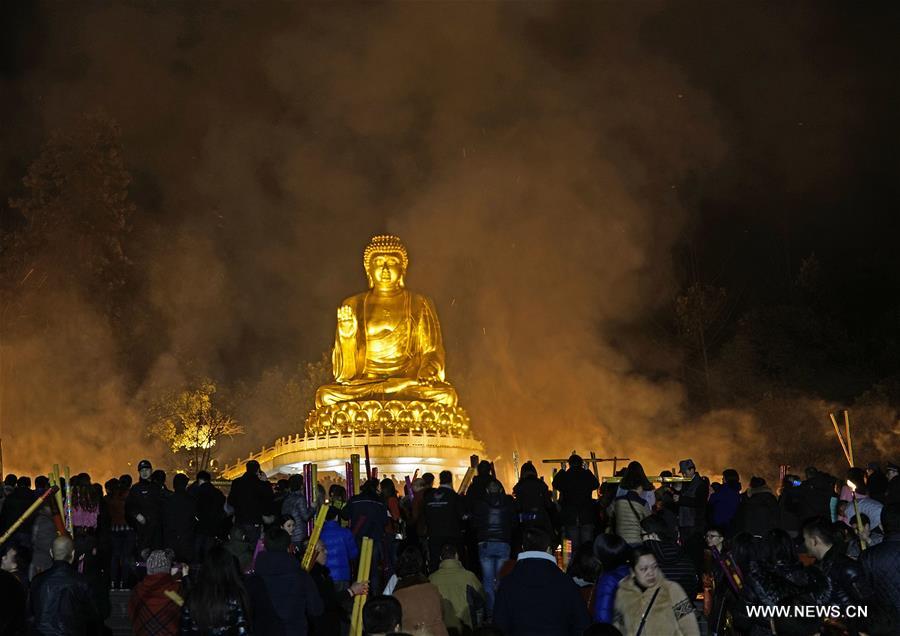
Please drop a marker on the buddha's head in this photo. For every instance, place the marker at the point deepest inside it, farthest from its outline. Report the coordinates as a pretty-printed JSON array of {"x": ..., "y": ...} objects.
[{"x": 385, "y": 260}]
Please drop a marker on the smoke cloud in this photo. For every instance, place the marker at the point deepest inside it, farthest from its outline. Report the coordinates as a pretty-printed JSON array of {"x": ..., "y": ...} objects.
[{"x": 529, "y": 154}]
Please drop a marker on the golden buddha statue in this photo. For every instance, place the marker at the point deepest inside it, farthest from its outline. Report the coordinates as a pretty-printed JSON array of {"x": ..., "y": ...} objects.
[{"x": 388, "y": 343}]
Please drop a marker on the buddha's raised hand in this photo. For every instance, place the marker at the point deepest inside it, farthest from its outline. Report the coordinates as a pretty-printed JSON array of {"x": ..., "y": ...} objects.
[{"x": 346, "y": 322}]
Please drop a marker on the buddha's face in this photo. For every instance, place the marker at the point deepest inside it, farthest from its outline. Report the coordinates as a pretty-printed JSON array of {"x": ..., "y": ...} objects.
[{"x": 385, "y": 271}]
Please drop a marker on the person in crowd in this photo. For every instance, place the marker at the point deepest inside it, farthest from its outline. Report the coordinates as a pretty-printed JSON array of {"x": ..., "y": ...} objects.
[
  {"x": 16, "y": 560},
  {"x": 143, "y": 509},
  {"x": 159, "y": 477},
  {"x": 251, "y": 499},
  {"x": 43, "y": 532},
  {"x": 816, "y": 493},
  {"x": 17, "y": 501},
  {"x": 151, "y": 606},
  {"x": 866, "y": 505},
  {"x": 394, "y": 523},
  {"x": 217, "y": 603},
  {"x": 444, "y": 513},
  {"x": 478, "y": 487},
  {"x": 337, "y": 496},
  {"x": 121, "y": 536},
  {"x": 723, "y": 504},
  {"x": 420, "y": 599},
  {"x": 876, "y": 481},
  {"x": 881, "y": 569},
  {"x": 382, "y": 615},
  {"x": 670, "y": 557},
  {"x": 648, "y": 603},
  {"x": 692, "y": 511},
  {"x": 576, "y": 486},
  {"x": 337, "y": 604},
  {"x": 295, "y": 505},
  {"x": 855, "y": 478},
  {"x": 61, "y": 601},
  {"x": 790, "y": 505},
  {"x": 494, "y": 517},
  {"x": 14, "y": 616},
  {"x": 533, "y": 501},
  {"x": 630, "y": 508},
  {"x": 179, "y": 520},
  {"x": 892, "y": 492},
  {"x": 536, "y": 597},
  {"x": 863, "y": 539},
  {"x": 341, "y": 548},
  {"x": 368, "y": 517},
  {"x": 210, "y": 512},
  {"x": 848, "y": 585},
  {"x": 612, "y": 553},
  {"x": 463, "y": 594},
  {"x": 238, "y": 547},
  {"x": 759, "y": 511},
  {"x": 584, "y": 568},
  {"x": 282, "y": 594}
]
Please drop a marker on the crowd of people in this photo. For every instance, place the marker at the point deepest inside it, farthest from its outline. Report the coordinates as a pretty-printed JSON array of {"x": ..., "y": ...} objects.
[{"x": 629, "y": 556}]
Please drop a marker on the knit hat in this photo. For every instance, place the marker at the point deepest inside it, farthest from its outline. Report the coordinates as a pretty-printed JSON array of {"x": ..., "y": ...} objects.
[{"x": 159, "y": 561}]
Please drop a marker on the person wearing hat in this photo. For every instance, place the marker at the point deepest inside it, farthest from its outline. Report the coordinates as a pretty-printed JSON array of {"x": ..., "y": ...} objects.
[
  {"x": 143, "y": 509},
  {"x": 151, "y": 610},
  {"x": 576, "y": 486},
  {"x": 892, "y": 494},
  {"x": 692, "y": 510}
]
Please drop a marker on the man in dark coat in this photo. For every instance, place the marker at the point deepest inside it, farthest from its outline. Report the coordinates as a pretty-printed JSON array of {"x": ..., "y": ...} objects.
[
  {"x": 537, "y": 597},
  {"x": 479, "y": 484},
  {"x": 692, "y": 501},
  {"x": 444, "y": 513},
  {"x": 533, "y": 502},
  {"x": 143, "y": 509},
  {"x": 251, "y": 499},
  {"x": 576, "y": 487},
  {"x": 179, "y": 518},
  {"x": 368, "y": 517},
  {"x": 881, "y": 568},
  {"x": 892, "y": 494},
  {"x": 848, "y": 584},
  {"x": 210, "y": 513},
  {"x": 281, "y": 592},
  {"x": 815, "y": 494},
  {"x": 759, "y": 512},
  {"x": 61, "y": 600},
  {"x": 876, "y": 482}
]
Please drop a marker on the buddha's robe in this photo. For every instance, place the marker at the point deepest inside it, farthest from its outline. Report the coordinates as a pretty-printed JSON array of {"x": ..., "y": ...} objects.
[{"x": 384, "y": 361}]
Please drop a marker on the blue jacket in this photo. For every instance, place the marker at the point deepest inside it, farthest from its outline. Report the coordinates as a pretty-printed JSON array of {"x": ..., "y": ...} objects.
[
  {"x": 538, "y": 599},
  {"x": 605, "y": 594},
  {"x": 341, "y": 547},
  {"x": 724, "y": 505}
]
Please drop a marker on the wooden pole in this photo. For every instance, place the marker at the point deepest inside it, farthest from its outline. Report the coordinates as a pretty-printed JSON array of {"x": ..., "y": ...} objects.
[
  {"x": 354, "y": 467},
  {"x": 30, "y": 511}
]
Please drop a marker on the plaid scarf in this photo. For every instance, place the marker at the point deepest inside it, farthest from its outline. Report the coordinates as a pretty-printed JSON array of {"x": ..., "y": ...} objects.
[{"x": 152, "y": 612}]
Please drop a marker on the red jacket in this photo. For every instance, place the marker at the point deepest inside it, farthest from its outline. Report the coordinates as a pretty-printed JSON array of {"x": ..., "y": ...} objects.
[{"x": 153, "y": 613}]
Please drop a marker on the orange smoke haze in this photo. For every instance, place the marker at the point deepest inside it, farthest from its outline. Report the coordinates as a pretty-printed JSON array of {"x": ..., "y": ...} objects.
[{"x": 529, "y": 157}]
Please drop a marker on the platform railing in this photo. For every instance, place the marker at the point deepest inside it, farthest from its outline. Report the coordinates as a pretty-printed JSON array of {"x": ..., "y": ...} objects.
[{"x": 410, "y": 438}]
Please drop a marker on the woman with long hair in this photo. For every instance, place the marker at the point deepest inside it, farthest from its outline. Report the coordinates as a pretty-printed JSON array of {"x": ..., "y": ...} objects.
[{"x": 217, "y": 603}]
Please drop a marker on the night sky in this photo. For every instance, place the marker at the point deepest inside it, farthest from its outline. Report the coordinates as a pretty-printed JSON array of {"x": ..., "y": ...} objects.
[{"x": 562, "y": 172}]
